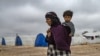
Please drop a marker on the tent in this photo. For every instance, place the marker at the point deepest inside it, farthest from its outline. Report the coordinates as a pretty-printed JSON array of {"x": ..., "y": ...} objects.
[
  {"x": 92, "y": 35},
  {"x": 18, "y": 41},
  {"x": 3, "y": 41},
  {"x": 40, "y": 41}
]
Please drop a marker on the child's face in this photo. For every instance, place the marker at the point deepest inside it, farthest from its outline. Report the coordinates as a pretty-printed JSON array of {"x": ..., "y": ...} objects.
[
  {"x": 48, "y": 21},
  {"x": 67, "y": 18}
]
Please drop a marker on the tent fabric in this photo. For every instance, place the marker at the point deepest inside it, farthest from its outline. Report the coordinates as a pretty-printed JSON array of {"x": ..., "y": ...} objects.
[
  {"x": 40, "y": 41},
  {"x": 18, "y": 41},
  {"x": 3, "y": 41}
]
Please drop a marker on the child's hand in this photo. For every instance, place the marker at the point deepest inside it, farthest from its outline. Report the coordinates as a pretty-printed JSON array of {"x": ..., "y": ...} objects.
[{"x": 70, "y": 34}]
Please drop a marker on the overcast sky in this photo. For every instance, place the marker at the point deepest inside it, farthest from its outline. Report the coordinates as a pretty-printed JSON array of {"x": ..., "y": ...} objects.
[{"x": 27, "y": 17}]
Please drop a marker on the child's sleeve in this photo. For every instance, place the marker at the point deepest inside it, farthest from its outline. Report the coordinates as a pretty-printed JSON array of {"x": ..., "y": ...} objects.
[{"x": 72, "y": 29}]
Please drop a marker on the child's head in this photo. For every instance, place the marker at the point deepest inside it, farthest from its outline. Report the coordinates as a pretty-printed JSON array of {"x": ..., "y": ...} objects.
[{"x": 67, "y": 15}]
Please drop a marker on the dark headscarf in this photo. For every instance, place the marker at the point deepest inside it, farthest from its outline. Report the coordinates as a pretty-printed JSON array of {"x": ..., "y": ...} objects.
[{"x": 53, "y": 16}]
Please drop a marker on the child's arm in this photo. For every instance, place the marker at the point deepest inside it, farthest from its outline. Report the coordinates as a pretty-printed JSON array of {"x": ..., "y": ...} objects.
[{"x": 72, "y": 30}]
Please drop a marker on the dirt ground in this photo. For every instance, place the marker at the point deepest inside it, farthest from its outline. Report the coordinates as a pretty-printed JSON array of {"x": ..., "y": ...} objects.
[{"x": 78, "y": 50}]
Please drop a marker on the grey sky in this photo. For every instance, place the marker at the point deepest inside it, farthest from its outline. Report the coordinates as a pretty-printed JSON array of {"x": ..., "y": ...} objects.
[{"x": 26, "y": 17}]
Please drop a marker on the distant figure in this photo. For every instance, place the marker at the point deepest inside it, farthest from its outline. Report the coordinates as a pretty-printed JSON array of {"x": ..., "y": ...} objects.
[
  {"x": 67, "y": 17},
  {"x": 57, "y": 36}
]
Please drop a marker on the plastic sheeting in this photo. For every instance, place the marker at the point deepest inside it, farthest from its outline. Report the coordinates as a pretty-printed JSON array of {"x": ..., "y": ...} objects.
[{"x": 40, "y": 41}]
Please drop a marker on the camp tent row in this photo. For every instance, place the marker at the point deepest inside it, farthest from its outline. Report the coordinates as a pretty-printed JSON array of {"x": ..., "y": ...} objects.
[
  {"x": 18, "y": 41},
  {"x": 39, "y": 41}
]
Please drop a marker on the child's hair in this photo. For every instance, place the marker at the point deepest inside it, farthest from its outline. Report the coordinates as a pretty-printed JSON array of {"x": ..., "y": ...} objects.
[
  {"x": 53, "y": 16},
  {"x": 68, "y": 13}
]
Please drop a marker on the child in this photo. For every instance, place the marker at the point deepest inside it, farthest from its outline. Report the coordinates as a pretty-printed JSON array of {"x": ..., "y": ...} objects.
[{"x": 67, "y": 17}]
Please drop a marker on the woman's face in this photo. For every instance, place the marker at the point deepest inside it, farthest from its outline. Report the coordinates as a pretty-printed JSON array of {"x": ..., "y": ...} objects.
[{"x": 48, "y": 21}]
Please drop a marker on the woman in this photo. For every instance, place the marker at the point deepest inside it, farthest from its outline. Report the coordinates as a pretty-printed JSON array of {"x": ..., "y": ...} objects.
[{"x": 57, "y": 36}]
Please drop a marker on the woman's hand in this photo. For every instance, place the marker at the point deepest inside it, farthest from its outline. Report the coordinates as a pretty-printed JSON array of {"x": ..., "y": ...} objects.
[{"x": 48, "y": 33}]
